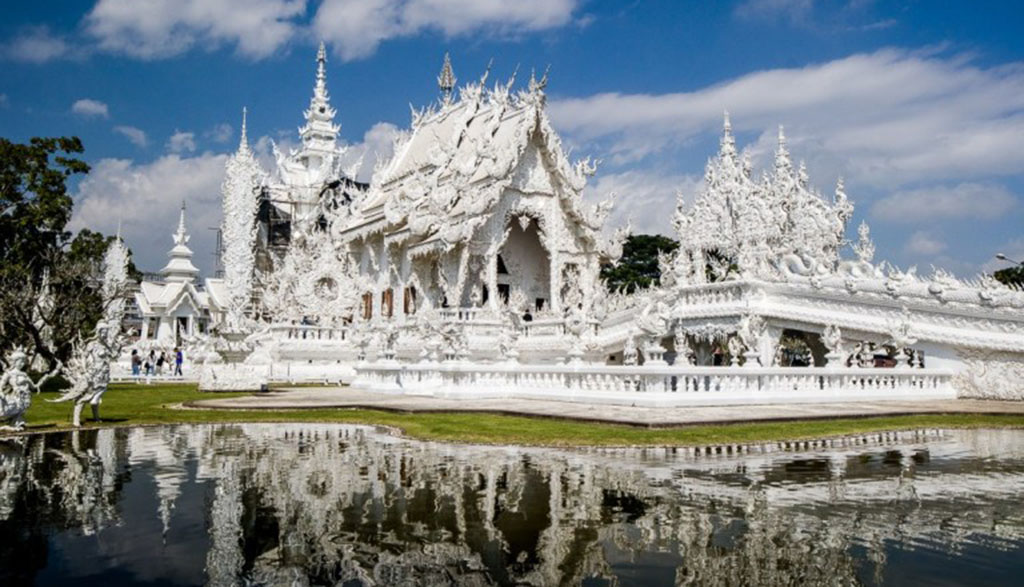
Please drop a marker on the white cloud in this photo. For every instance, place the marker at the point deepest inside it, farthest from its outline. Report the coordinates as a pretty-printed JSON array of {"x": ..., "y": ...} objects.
[
  {"x": 164, "y": 28},
  {"x": 377, "y": 144},
  {"x": 794, "y": 10},
  {"x": 645, "y": 197},
  {"x": 146, "y": 198},
  {"x": 181, "y": 142},
  {"x": 35, "y": 44},
  {"x": 357, "y": 27},
  {"x": 923, "y": 243},
  {"x": 135, "y": 135},
  {"x": 89, "y": 108},
  {"x": 962, "y": 201},
  {"x": 220, "y": 133},
  {"x": 889, "y": 118}
]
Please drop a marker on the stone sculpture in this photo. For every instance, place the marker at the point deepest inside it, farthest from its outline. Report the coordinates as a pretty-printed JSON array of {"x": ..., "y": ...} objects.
[{"x": 16, "y": 389}]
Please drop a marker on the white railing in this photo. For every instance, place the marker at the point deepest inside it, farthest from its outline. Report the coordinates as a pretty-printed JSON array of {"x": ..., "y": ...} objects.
[
  {"x": 307, "y": 332},
  {"x": 655, "y": 385}
]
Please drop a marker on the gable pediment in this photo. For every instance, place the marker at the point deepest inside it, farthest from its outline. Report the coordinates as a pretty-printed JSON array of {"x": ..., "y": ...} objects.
[{"x": 531, "y": 175}]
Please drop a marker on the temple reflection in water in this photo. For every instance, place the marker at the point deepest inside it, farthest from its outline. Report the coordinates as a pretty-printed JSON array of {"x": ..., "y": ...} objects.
[{"x": 328, "y": 504}]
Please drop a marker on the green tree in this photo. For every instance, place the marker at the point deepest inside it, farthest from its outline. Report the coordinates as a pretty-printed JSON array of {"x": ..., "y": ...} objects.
[
  {"x": 49, "y": 279},
  {"x": 1011, "y": 276},
  {"x": 638, "y": 267}
]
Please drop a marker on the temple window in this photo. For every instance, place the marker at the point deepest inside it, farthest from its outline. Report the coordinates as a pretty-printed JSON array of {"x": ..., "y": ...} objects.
[
  {"x": 409, "y": 302},
  {"x": 367, "y": 306}
]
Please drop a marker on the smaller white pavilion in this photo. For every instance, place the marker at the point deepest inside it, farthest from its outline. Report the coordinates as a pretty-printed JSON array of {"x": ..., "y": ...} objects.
[{"x": 176, "y": 307}]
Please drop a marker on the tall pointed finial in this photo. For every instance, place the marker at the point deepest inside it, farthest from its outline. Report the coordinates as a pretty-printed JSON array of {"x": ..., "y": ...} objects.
[
  {"x": 782, "y": 162},
  {"x": 321, "y": 67},
  {"x": 487, "y": 72},
  {"x": 728, "y": 144},
  {"x": 179, "y": 267},
  {"x": 180, "y": 236},
  {"x": 244, "y": 140},
  {"x": 320, "y": 132},
  {"x": 446, "y": 79}
]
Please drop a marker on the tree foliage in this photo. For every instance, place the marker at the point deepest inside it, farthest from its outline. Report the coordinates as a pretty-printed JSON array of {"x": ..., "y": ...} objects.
[
  {"x": 638, "y": 267},
  {"x": 1011, "y": 276},
  {"x": 49, "y": 278}
]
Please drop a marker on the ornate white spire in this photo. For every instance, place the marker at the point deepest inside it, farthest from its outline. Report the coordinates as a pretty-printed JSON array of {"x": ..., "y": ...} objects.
[
  {"x": 782, "y": 161},
  {"x": 728, "y": 144},
  {"x": 180, "y": 267},
  {"x": 242, "y": 179},
  {"x": 446, "y": 79},
  {"x": 115, "y": 286},
  {"x": 243, "y": 141},
  {"x": 320, "y": 132}
]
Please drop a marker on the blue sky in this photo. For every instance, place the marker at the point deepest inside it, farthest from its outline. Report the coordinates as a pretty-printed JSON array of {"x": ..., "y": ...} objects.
[{"x": 919, "y": 105}]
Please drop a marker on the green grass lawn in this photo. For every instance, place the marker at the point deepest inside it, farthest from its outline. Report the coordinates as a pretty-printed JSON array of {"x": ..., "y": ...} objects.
[{"x": 136, "y": 405}]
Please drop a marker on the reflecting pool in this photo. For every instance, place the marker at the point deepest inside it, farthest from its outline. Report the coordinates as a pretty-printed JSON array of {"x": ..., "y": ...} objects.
[{"x": 273, "y": 504}]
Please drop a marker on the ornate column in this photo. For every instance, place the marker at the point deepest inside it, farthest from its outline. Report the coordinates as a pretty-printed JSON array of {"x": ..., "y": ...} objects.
[{"x": 491, "y": 279}]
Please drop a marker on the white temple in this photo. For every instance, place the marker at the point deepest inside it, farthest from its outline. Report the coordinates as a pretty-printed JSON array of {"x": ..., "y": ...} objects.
[
  {"x": 176, "y": 308},
  {"x": 470, "y": 266}
]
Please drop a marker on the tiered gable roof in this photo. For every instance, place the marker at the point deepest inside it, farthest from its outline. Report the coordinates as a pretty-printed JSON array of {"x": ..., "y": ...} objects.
[{"x": 451, "y": 169}]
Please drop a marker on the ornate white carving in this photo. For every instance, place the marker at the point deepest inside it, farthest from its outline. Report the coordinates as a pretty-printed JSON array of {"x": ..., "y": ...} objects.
[{"x": 990, "y": 375}]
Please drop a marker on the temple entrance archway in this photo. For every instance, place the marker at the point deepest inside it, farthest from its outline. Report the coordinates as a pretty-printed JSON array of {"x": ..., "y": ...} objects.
[{"x": 526, "y": 262}]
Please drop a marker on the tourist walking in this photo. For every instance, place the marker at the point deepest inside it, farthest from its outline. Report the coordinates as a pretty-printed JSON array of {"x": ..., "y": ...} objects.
[
  {"x": 136, "y": 363},
  {"x": 151, "y": 363},
  {"x": 160, "y": 363},
  {"x": 179, "y": 358}
]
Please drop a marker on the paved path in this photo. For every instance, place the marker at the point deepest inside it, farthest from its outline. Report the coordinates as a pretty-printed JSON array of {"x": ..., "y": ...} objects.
[{"x": 343, "y": 397}]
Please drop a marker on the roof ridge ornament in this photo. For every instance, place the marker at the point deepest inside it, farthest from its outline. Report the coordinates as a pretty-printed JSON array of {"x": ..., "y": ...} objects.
[
  {"x": 446, "y": 79},
  {"x": 539, "y": 85}
]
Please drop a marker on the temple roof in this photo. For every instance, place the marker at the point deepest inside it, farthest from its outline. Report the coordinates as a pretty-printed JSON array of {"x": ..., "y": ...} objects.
[{"x": 459, "y": 158}]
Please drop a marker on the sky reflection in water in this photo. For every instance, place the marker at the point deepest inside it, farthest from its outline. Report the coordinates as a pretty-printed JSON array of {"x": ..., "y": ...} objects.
[{"x": 330, "y": 504}]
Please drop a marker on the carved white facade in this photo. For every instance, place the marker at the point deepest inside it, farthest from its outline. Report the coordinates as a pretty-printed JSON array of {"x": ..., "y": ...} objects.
[{"x": 472, "y": 247}]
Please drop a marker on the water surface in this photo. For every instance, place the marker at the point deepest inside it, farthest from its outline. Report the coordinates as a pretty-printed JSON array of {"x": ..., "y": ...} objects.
[{"x": 346, "y": 505}]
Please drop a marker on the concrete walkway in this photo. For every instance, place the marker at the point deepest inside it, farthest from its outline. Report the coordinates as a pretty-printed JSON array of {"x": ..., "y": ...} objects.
[{"x": 343, "y": 397}]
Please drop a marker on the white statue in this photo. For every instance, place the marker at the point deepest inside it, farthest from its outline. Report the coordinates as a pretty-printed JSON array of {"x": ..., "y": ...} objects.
[
  {"x": 508, "y": 335},
  {"x": 735, "y": 346},
  {"x": 901, "y": 337},
  {"x": 16, "y": 389},
  {"x": 89, "y": 373},
  {"x": 832, "y": 338},
  {"x": 630, "y": 356}
]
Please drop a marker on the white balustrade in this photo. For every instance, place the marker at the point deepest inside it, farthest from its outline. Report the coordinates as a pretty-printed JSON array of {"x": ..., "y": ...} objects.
[
  {"x": 656, "y": 385},
  {"x": 309, "y": 332}
]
